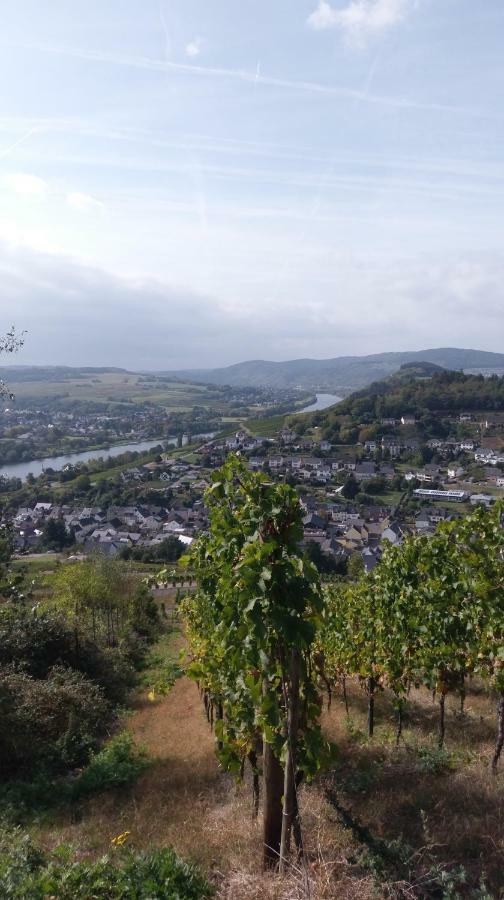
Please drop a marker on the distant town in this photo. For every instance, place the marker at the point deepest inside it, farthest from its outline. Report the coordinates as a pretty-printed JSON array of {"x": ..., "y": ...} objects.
[{"x": 356, "y": 498}]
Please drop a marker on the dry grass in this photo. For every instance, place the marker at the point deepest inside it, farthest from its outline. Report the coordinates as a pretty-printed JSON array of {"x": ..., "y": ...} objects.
[
  {"x": 452, "y": 816},
  {"x": 184, "y": 800}
]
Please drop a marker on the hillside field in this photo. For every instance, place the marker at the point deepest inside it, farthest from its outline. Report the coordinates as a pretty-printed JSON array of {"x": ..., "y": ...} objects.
[
  {"x": 380, "y": 821},
  {"x": 117, "y": 387}
]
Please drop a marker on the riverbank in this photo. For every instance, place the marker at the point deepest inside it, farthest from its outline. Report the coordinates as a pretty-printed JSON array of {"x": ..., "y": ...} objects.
[
  {"x": 322, "y": 401},
  {"x": 37, "y": 467}
]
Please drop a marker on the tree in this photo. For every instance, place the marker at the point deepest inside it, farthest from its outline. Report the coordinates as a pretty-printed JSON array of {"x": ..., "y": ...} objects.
[
  {"x": 252, "y": 624},
  {"x": 56, "y": 536},
  {"x": 355, "y": 566},
  {"x": 11, "y": 343},
  {"x": 83, "y": 483},
  {"x": 96, "y": 596},
  {"x": 168, "y": 550},
  {"x": 350, "y": 488},
  {"x": 11, "y": 583}
]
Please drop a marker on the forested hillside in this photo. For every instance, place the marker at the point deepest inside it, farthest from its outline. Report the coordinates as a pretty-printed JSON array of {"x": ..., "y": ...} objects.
[{"x": 419, "y": 391}]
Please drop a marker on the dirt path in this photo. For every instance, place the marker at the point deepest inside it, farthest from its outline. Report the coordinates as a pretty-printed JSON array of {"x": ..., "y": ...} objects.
[
  {"x": 183, "y": 799},
  {"x": 174, "y": 730}
]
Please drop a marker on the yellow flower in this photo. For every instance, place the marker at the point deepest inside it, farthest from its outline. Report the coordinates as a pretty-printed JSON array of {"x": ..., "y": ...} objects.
[
  {"x": 120, "y": 839},
  {"x": 152, "y": 696}
]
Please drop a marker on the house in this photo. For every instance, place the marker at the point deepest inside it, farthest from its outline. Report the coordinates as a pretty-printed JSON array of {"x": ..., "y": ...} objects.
[
  {"x": 392, "y": 445},
  {"x": 312, "y": 520},
  {"x": 408, "y": 420},
  {"x": 237, "y": 441},
  {"x": 43, "y": 508},
  {"x": 348, "y": 465},
  {"x": 109, "y": 548},
  {"x": 364, "y": 471},
  {"x": 485, "y": 456},
  {"x": 481, "y": 500},
  {"x": 423, "y": 522},
  {"x": 455, "y": 472},
  {"x": 418, "y": 476},
  {"x": 370, "y": 558},
  {"x": 392, "y": 533},
  {"x": 102, "y": 534}
]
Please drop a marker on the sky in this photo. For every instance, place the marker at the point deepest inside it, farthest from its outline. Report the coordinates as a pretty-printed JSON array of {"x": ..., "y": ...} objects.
[{"x": 192, "y": 183}]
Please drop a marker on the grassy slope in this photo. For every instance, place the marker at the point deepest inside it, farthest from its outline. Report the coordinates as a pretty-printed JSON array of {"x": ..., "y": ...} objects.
[{"x": 183, "y": 799}]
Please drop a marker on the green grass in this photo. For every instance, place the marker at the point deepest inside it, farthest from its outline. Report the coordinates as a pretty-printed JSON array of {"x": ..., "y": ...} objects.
[
  {"x": 389, "y": 498},
  {"x": 265, "y": 427},
  {"x": 163, "y": 656},
  {"x": 38, "y": 569},
  {"x": 120, "y": 762}
]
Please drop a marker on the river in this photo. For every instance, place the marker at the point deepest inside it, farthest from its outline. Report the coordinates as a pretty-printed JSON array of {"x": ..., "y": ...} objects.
[
  {"x": 322, "y": 402},
  {"x": 37, "y": 466}
]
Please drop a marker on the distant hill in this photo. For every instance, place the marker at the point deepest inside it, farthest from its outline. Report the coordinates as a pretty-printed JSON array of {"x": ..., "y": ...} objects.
[
  {"x": 343, "y": 374},
  {"x": 21, "y": 374}
]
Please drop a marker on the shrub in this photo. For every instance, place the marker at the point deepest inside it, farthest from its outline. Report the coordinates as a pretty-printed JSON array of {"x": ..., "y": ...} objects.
[
  {"x": 19, "y": 799},
  {"x": 26, "y": 874},
  {"x": 38, "y": 642},
  {"x": 120, "y": 762},
  {"x": 48, "y": 724},
  {"x": 434, "y": 760}
]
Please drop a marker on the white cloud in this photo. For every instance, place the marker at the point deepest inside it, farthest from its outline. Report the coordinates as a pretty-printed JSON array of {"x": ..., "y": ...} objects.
[
  {"x": 23, "y": 183},
  {"x": 360, "y": 20},
  {"x": 193, "y": 48},
  {"x": 83, "y": 315},
  {"x": 83, "y": 202},
  {"x": 323, "y": 17}
]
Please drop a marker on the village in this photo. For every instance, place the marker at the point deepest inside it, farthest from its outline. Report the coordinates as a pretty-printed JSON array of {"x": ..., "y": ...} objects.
[{"x": 355, "y": 498}]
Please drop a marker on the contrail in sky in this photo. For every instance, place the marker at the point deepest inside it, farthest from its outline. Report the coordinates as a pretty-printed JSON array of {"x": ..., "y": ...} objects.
[
  {"x": 5, "y": 152},
  {"x": 314, "y": 87}
]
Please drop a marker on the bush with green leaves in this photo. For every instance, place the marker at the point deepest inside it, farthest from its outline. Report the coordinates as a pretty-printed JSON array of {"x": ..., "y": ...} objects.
[
  {"x": 50, "y": 724},
  {"x": 28, "y": 874},
  {"x": 119, "y": 763}
]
